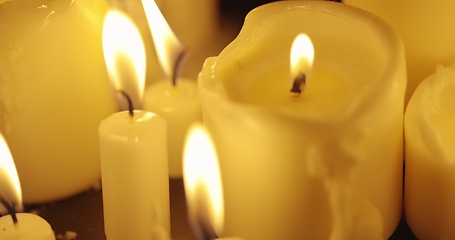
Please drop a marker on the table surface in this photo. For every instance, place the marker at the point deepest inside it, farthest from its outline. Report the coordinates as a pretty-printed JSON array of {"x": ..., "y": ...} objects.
[{"x": 83, "y": 214}]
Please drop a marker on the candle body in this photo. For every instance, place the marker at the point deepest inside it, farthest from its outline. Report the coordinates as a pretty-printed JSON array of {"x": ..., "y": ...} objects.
[
  {"x": 54, "y": 91},
  {"x": 179, "y": 105},
  {"x": 326, "y": 164},
  {"x": 29, "y": 227},
  {"x": 430, "y": 151},
  {"x": 426, "y": 30},
  {"x": 134, "y": 172}
]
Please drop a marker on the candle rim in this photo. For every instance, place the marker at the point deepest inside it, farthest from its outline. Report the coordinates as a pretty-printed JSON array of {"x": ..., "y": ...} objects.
[{"x": 262, "y": 14}]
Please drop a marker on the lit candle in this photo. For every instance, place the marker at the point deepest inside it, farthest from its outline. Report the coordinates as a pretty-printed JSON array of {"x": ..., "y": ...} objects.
[
  {"x": 202, "y": 181},
  {"x": 430, "y": 155},
  {"x": 17, "y": 226},
  {"x": 175, "y": 99},
  {"x": 322, "y": 164},
  {"x": 54, "y": 92},
  {"x": 134, "y": 165},
  {"x": 426, "y": 29}
]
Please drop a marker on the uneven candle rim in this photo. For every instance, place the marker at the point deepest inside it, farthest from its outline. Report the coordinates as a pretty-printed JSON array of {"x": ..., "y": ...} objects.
[
  {"x": 417, "y": 122},
  {"x": 262, "y": 14}
]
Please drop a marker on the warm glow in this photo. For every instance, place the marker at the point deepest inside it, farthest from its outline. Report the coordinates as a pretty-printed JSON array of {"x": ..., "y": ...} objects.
[
  {"x": 302, "y": 55},
  {"x": 124, "y": 55},
  {"x": 10, "y": 187},
  {"x": 202, "y": 178},
  {"x": 167, "y": 45}
]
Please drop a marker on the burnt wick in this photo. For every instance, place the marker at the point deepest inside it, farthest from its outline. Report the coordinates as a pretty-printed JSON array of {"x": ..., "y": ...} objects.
[
  {"x": 179, "y": 65},
  {"x": 299, "y": 83},
  {"x": 10, "y": 209},
  {"x": 130, "y": 103}
]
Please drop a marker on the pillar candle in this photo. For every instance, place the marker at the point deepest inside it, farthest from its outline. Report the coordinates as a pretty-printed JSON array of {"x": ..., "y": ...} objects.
[
  {"x": 430, "y": 151},
  {"x": 134, "y": 172},
  {"x": 426, "y": 29},
  {"x": 181, "y": 108},
  {"x": 53, "y": 94},
  {"x": 325, "y": 164}
]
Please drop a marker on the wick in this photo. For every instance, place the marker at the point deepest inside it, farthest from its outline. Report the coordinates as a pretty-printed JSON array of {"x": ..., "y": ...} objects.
[
  {"x": 10, "y": 209},
  {"x": 299, "y": 83},
  {"x": 130, "y": 103},
  {"x": 179, "y": 65}
]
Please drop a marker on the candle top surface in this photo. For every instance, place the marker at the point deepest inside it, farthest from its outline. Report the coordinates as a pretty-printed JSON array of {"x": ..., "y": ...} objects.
[{"x": 357, "y": 61}]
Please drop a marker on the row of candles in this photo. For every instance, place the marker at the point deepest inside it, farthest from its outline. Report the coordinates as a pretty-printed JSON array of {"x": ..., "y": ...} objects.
[{"x": 336, "y": 171}]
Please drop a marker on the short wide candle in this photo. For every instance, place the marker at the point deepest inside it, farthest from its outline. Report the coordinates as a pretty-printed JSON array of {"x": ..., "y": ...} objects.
[
  {"x": 326, "y": 164},
  {"x": 430, "y": 157},
  {"x": 134, "y": 172}
]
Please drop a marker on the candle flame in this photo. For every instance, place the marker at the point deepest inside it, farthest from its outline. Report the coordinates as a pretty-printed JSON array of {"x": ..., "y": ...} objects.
[
  {"x": 124, "y": 54},
  {"x": 202, "y": 179},
  {"x": 10, "y": 189},
  {"x": 302, "y": 56},
  {"x": 168, "y": 47}
]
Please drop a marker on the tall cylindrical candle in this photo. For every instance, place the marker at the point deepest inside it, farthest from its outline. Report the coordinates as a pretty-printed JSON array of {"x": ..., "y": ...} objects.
[
  {"x": 134, "y": 176},
  {"x": 326, "y": 164}
]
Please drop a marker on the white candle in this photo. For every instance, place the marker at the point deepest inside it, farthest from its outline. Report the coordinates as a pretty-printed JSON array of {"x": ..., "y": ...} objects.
[
  {"x": 175, "y": 99},
  {"x": 134, "y": 166},
  {"x": 28, "y": 226},
  {"x": 54, "y": 92},
  {"x": 326, "y": 164},
  {"x": 430, "y": 155},
  {"x": 134, "y": 174},
  {"x": 426, "y": 28},
  {"x": 203, "y": 186}
]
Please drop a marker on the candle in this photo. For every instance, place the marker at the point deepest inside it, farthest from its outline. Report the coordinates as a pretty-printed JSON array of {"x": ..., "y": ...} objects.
[
  {"x": 54, "y": 91},
  {"x": 202, "y": 182},
  {"x": 429, "y": 178},
  {"x": 17, "y": 226},
  {"x": 134, "y": 175},
  {"x": 175, "y": 99},
  {"x": 426, "y": 29},
  {"x": 133, "y": 149},
  {"x": 322, "y": 164}
]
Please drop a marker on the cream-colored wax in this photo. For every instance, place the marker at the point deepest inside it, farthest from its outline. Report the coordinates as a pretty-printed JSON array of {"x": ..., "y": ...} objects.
[
  {"x": 430, "y": 161},
  {"x": 323, "y": 165},
  {"x": 135, "y": 176},
  {"x": 179, "y": 105},
  {"x": 426, "y": 28},
  {"x": 28, "y": 227},
  {"x": 53, "y": 93}
]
